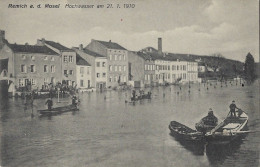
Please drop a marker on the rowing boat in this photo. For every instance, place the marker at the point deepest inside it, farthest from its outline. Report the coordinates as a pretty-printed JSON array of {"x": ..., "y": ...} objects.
[
  {"x": 58, "y": 110},
  {"x": 228, "y": 130},
  {"x": 144, "y": 96},
  {"x": 184, "y": 133}
]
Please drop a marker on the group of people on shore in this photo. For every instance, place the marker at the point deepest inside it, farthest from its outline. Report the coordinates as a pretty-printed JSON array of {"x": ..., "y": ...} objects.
[{"x": 210, "y": 121}]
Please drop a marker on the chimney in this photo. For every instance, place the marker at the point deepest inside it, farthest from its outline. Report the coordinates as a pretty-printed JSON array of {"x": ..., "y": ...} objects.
[
  {"x": 26, "y": 43},
  {"x": 160, "y": 45},
  {"x": 2, "y": 36},
  {"x": 80, "y": 47}
]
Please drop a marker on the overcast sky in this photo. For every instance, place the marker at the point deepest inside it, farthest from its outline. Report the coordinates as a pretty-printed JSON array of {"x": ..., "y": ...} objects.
[{"x": 204, "y": 27}]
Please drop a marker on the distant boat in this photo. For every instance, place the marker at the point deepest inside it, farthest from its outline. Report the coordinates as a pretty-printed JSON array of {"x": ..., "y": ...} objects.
[
  {"x": 228, "y": 130},
  {"x": 58, "y": 110},
  {"x": 144, "y": 96}
]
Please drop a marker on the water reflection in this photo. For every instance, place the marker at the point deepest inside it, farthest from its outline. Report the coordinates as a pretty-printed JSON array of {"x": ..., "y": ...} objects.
[{"x": 217, "y": 154}]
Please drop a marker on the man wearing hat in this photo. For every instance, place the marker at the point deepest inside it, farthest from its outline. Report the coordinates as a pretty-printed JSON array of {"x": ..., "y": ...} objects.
[
  {"x": 208, "y": 122},
  {"x": 233, "y": 108}
]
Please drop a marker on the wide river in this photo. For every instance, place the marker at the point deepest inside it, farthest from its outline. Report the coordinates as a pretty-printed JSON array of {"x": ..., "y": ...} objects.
[{"x": 107, "y": 132}]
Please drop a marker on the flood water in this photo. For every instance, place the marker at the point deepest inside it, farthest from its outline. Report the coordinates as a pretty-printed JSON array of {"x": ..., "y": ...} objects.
[{"x": 109, "y": 132}]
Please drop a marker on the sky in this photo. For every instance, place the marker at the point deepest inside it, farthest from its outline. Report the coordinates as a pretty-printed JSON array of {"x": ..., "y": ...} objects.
[{"x": 204, "y": 27}]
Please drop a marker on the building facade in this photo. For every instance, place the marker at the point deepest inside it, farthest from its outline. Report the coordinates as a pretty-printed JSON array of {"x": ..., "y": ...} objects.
[
  {"x": 98, "y": 67},
  {"x": 83, "y": 73},
  {"x": 117, "y": 61},
  {"x": 32, "y": 67},
  {"x": 68, "y": 60}
]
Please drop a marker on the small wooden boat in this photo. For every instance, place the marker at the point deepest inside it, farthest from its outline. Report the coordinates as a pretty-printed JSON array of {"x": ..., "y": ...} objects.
[
  {"x": 228, "y": 130},
  {"x": 58, "y": 110},
  {"x": 144, "y": 96},
  {"x": 182, "y": 132}
]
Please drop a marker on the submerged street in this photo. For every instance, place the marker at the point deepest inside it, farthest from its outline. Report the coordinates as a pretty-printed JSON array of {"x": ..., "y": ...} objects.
[{"x": 106, "y": 131}]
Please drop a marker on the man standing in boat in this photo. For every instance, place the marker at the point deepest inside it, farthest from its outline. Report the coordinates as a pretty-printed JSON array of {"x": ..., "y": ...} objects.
[
  {"x": 49, "y": 103},
  {"x": 208, "y": 122},
  {"x": 233, "y": 108},
  {"x": 74, "y": 101}
]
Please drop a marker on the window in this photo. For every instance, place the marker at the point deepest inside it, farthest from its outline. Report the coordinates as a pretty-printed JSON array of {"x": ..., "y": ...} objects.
[
  {"x": 168, "y": 67},
  {"x": 145, "y": 77},
  {"x": 52, "y": 59},
  {"x": 71, "y": 72},
  {"x": 23, "y": 57},
  {"x": 124, "y": 78},
  {"x": 98, "y": 64},
  {"x": 103, "y": 64},
  {"x": 110, "y": 68},
  {"x": 81, "y": 70},
  {"x": 115, "y": 68},
  {"x": 70, "y": 59},
  {"x": 98, "y": 75},
  {"x": 45, "y": 68},
  {"x": 148, "y": 77},
  {"x": 123, "y": 57},
  {"x": 87, "y": 70},
  {"x": 177, "y": 67},
  {"x": 115, "y": 79},
  {"x": 119, "y": 68},
  {"x": 145, "y": 67},
  {"x": 110, "y": 79},
  {"x": 45, "y": 58},
  {"x": 65, "y": 72},
  {"x": 33, "y": 81},
  {"x": 65, "y": 59},
  {"x": 104, "y": 75},
  {"x": 184, "y": 67},
  {"x": 110, "y": 57},
  {"x": 23, "y": 68},
  {"x": 81, "y": 83},
  {"x": 124, "y": 68},
  {"x": 32, "y": 68},
  {"x": 32, "y": 57},
  {"x": 45, "y": 80},
  {"x": 119, "y": 57},
  {"x": 52, "y": 68},
  {"x": 115, "y": 57},
  {"x": 21, "y": 82}
]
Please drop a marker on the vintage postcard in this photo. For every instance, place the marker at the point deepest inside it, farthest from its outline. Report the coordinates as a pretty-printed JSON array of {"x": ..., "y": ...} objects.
[{"x": 134, "y": 83}]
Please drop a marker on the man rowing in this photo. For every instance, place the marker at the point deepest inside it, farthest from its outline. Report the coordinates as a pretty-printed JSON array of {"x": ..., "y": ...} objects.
[{"x": 207, "y": 123}]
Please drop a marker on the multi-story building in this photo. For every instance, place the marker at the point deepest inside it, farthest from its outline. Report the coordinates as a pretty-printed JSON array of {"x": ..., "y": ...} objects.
[
  {"x": 68, "y": 60},
  {"x": 31, "y": 66},
  {"x": 83, "y": 72},
  {"x": 98, "y": 67},
  {"x": 117, "y": 61},
  {"x": 172, "y": 68}
]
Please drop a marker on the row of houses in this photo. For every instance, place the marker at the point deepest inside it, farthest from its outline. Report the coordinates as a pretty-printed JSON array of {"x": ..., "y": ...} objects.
[{"x": 99, "y": 65}]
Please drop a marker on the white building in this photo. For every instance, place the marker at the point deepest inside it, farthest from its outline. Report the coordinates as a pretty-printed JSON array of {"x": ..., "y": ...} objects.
[{"x": 83, "y": 73}]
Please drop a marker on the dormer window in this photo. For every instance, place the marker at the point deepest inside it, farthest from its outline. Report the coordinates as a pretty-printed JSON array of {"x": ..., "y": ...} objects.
[
  {"x": 32, "y": 57},
  {"x": 52, "y": 59},
  {"x": 23, "y": 57},
  {"x": 45, "y": 58}
]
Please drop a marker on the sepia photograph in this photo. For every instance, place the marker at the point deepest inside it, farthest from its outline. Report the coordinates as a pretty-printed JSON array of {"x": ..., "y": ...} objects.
[{"x": 129, "y": 83}]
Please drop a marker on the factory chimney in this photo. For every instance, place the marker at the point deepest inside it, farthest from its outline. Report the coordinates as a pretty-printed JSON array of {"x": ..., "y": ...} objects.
[{"x": 160, "y": 46}]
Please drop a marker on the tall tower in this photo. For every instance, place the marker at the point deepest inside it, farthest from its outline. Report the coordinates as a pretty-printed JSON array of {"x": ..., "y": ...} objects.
[{"x": 160, "y": 45}]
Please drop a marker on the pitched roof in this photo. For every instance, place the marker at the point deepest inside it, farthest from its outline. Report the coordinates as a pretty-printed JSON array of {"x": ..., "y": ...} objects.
[
  {"x": 144, "y": 55},
  {"x": 91, "y": 53},
  {"x": 32, "y": 49},
  {"x": 81, "y": 61},
  {"x": 111, "y": 45},
  {"x": 58, "y": 46}
]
